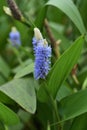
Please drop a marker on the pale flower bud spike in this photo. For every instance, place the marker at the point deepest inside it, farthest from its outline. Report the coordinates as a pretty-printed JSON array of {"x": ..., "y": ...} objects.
[{"x": 37, "y": 34}]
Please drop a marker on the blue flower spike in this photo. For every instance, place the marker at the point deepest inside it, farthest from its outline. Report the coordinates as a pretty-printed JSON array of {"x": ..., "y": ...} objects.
[
  {"x": 14, "y": 37},
  {"x": 42, "y": 55}
]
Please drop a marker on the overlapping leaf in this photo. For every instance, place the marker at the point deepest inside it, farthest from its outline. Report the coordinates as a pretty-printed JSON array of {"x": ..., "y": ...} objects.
[
  {"x": 21, "y": 91},
  {"x": 68, "y": 7},
  {"x": 63, "y": 66},
  {"x": 25, "y": 71},
  {"x": 74, "y": 105},
  {"x": 7, "y": 116}
]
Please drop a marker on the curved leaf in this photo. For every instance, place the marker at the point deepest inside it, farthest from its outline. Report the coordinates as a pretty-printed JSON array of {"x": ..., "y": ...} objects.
[
  {"x": 68, "y": 7},
  {"x": 74, "y": 105},
  {"x": 7, "y": 116},
  {"x": 80, "y": 122},
  {"x": 61, "y": 70},
  {"x": 63, "y": 66},
  {"x": 25, "y": 71},
  {"x": 21, "y": 91}
]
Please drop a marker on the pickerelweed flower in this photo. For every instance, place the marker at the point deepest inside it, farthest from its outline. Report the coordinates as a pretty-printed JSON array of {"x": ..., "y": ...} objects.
[
  {"x": 14, "y": 37},
  {"x": 42, "y": 55}
]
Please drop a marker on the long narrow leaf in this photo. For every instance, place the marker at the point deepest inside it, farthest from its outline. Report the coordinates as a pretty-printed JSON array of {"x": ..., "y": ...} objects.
[
  {"x": 63, "y": 66},
  {"x": 74, "y": 105},
  {"x": 68, "y": 7}
]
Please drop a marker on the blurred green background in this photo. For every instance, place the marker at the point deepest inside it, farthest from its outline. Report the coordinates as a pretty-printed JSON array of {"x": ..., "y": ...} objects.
[{"x": 61, "y": 27}]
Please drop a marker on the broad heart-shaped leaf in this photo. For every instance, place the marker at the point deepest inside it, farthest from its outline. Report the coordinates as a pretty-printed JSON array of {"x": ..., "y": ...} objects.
[
  {"x": 25, "y": 71},
  {"x": 7, "y": 116},
  {"x": 22, "y": 92},
  {"x": 68, "y": 7},
  {"x": 80, "y": 122},
  {"x": 74, "y": 105},
  {"x": 63, "y": 66}
]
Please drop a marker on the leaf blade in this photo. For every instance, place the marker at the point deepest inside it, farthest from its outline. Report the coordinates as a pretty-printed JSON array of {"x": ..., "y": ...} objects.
[
  {"x": 25, "y": 71},
  {"x": 68, "y": 7},
  {"x": 69, "y": 110},
  {"x": 21, "y": 91},
  {"x": 7, "y": 115},
  {"x": 63, "y": 66},
  {"x": 79, "y": 120}
]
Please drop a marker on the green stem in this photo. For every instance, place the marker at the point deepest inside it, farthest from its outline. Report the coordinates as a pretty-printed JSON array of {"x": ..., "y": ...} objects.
[
  {"x": 17, "y": 55},
  {"x": 25, "y": 51},
  {"x": 25, "y": 21},
  {"x": 6, "y": 128},
  {"x": 55, "y": 109}
]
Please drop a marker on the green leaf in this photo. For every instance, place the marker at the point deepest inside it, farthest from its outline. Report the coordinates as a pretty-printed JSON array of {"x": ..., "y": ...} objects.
[
  {"x": 2, "y": 79},
  {"x": 68, "y": 7},
  {"x": 21, "y": 91},
  {"x": 42, "y": 93},
  {"x": 60, "y": 70},
  {"x": 80, "y": 122},
  {"x": 25, "y": 71},
  {"x": 2, "y": 127},
  {"x": 84, "y": 84},
  {"x": 58, "y": 31},
  {"x": 63, "y": 66},
  {"x": 57, "y": 27},
  {"x": 40, "y": 18},
  {"x": 4, "y": 68},
  {"x": 7, "y": 116},
  {"x": 5, "y": 99},
  {"x": 20, "y": 67},
  {"x": 74, "y": 105},
  {"x": 48, "y": 127},
  {"x": 63, "y": 91}
]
